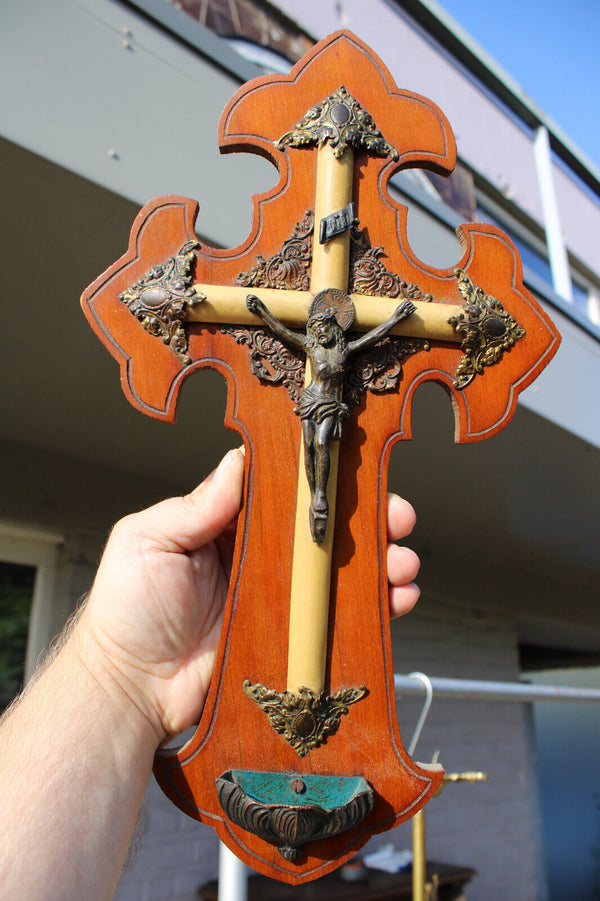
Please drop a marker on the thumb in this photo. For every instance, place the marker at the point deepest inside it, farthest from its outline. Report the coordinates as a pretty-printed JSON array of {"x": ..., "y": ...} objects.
[{"x": 187, "y": 523}]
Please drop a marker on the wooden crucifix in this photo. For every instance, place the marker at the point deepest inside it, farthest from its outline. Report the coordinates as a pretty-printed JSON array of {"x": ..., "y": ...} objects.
[{"x": 324, "y": 324}]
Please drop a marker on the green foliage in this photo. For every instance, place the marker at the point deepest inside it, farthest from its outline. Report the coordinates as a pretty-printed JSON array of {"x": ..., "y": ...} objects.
[{"x": 16, "y": 590}]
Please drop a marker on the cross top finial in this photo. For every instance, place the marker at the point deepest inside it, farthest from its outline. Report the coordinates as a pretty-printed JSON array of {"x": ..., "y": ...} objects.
[{"x": 342, "y": 122}]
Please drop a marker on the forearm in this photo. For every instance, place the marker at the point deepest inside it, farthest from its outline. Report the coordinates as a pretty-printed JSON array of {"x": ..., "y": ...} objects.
[
  {"x": 278, "y": 328},
  {"x": 406, "y": 309},
  {"x": 76, "y": 755}
]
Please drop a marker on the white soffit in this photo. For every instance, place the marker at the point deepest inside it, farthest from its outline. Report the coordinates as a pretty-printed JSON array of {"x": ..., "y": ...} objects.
[{"x": 103, "y": 93}]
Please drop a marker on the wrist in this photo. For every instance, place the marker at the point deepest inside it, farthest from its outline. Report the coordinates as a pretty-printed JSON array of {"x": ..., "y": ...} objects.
[{"x": 120, "y": 689}]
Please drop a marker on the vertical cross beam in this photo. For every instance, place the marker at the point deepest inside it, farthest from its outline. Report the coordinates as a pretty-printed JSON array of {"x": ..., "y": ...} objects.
[{"x": 311, "y": 568}]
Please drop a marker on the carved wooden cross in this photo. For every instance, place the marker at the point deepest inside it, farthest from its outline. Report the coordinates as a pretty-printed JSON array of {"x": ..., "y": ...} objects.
[{"x": 297, "y": 759}]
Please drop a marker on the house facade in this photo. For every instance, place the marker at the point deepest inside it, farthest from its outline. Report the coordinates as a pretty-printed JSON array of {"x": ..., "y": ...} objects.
[{"x": 113, "y": 103}]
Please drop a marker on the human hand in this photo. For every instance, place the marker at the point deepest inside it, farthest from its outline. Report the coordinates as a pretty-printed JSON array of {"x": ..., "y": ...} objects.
[
  {"x": 402, "y": 562},
  {"x": 255, "y": 304},
  {"x": 404, "y": 310},
  {"x": 153, "y": 619}
]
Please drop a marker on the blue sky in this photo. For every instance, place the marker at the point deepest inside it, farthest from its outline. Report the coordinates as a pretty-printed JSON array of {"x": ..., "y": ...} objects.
[{"x": 552, "y": 49}]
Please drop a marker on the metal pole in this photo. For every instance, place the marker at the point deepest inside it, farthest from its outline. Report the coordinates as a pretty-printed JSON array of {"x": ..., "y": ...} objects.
[
  {"x": 496, "y": 691},
  {"x": 233, "y": 876}
]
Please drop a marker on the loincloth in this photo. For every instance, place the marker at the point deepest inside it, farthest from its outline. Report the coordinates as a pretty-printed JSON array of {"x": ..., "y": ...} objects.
[{"x": 318, "y": 407}]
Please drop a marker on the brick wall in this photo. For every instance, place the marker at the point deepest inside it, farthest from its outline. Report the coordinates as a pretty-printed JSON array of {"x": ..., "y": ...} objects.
[
  {"x": 175, "y": 854},
  {"x": 489, "y": 826}
]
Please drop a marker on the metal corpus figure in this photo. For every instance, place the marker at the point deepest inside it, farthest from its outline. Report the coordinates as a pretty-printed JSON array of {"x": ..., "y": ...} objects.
[{"x": 321, "y": 407}]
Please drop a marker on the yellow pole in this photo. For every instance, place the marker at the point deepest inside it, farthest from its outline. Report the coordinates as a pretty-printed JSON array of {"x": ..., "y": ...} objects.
[
  {"x": 311, "y": 567},
  {"x": 227, "y": 304},
  {"x": 419, "y": 870}
]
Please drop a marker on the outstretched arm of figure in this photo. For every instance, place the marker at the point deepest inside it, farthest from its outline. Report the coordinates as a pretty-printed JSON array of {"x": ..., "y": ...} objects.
[
  {"x": 403, "y": 311},
  {"x": 133, "y": 670},
  {"x": 255, "y": 305}
]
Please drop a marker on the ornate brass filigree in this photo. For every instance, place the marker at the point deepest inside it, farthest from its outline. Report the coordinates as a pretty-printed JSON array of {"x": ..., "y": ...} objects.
[
  {"x": 377, "y": 370},
  {"x": 160, "y": 300},
  {"x": 341, "y": 120},
  {"x": 272, "y": 361},
  {"x": 487, "y": 328},
  {"x": 305, "y": 720},
  {"x": 289, "y": 267},
  {"x": 368, "y": 275}
]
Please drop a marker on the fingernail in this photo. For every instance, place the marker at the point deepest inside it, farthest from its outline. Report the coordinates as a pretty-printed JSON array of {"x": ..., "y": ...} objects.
[
  {"x": 223, "y": 465},
  {"x": 226, "y": 461}
]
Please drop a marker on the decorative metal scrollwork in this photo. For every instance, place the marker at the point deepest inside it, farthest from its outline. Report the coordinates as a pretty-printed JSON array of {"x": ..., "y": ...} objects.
[
  {"x": 368, "y": 275},
  {"x": 342, "y": 121},
  {"x": 272, "y": 361},
  {"x": 160, "y": 300},
  {"x": 292, "y": 810},
  {"x": 305, "y": 720},
  {"x": 488, "y": 330},
  {"x": 378, "y": 369},
  {"x": 289, "y": 267}
]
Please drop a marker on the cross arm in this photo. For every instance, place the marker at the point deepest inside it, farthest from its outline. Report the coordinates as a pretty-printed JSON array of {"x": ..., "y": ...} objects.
[
  {"x": 224, "y": 304},
  {"x": 459, "y": 318},
  {"x": 402, "y": 312}
]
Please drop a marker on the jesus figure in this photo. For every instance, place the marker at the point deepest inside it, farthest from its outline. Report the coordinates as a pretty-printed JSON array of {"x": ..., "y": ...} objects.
[{"x": 321, "y": 407}]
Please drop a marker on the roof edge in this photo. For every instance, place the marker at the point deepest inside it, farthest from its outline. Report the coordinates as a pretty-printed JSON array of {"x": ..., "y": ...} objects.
[{"x": 459, "y": 43}]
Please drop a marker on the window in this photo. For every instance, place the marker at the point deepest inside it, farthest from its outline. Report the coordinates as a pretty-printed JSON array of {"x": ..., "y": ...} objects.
[
  {"x": 533, "y": 253},
  {"x": 16, "y": 594},
  {"x": 534, "y": 258},
  {"x": 29, "y": 561}
]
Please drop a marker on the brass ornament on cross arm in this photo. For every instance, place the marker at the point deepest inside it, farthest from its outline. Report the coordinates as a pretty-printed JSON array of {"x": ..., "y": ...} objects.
[
  {"x": 159, "y": 300},
  {"x": 341, "y": 121},
  {"x": 488, "y": 330},
  {"x": 305, "y": 720}
]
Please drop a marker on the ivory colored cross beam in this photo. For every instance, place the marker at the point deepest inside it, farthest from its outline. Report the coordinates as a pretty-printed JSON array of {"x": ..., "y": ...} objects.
[
  {"x": 311, "y": 568},
  {"x": 223, "y": 304}
]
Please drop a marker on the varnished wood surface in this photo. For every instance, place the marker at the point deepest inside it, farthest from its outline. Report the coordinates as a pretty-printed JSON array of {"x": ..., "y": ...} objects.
[{"x": 233, "y": 732}]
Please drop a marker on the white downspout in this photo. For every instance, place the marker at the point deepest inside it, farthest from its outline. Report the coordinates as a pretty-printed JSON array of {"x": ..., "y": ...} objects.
[{"x": 557, "y": 252}]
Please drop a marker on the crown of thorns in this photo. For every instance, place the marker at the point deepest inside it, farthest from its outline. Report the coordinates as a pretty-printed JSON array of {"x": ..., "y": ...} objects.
[{"x": 333, "y": 304}]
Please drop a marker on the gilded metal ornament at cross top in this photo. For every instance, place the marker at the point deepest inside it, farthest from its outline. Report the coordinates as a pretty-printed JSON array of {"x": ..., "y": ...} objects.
[
  {"x": 488, "y": 330},
  {"x": 160, "y": 300},
  {"x": 340, "y": 120},
  {"x": 377, "y": 369},
  {"x": 305, "y": 720}
]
